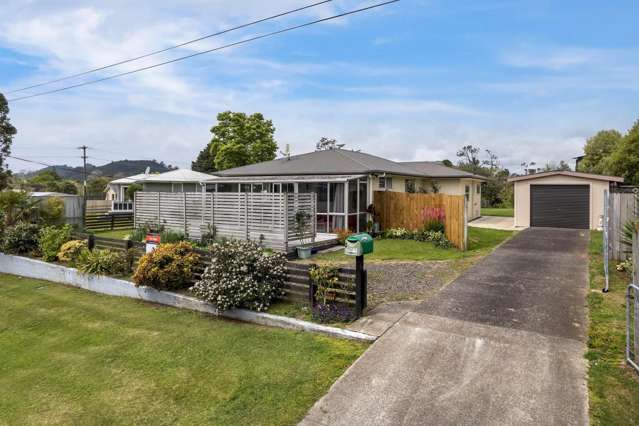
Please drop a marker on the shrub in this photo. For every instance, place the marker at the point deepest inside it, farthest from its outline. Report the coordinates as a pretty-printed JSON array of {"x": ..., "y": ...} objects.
[
  {"x": 433, "y": 218},
  {"x": 50, "y": 239},
  {"x": 51, "y": 210},
  {"x": 103, "y": 262},
  {"x": 242, "y": 275},
  {"x": 71, "y": 250},
  {"x": 168, "y": 267},
  {"x": 166, "y": 235},
  {"x": 342, "y": 235},
  {"x": 22, "y": 238},
  {"x": 438, "y": 238},
  {"x": 18, "y": 206},
  {"x": 325, "y": 278}
]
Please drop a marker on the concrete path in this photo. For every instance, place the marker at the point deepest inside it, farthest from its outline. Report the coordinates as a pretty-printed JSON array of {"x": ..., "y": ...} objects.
[
  {"x": 494, "y": 222},
  {"x": 502, "y": 344}
]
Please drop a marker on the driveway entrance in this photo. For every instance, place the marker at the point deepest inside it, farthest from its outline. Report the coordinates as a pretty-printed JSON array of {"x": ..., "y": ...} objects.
[{"x": 502, "y": 344}]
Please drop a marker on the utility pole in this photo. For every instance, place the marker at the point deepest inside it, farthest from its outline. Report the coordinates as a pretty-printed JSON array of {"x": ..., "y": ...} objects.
[{"x": 84, "y": 181}]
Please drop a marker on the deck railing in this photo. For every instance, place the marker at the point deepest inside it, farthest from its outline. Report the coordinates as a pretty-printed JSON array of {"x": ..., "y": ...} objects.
[{"x": 263, "y": 217}]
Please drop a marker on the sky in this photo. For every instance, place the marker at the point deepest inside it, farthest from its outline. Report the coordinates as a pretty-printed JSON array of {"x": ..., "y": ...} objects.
[{"x": 414, "y": 80}]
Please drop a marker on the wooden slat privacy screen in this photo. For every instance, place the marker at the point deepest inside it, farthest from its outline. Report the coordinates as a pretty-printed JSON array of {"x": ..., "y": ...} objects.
[
  {"x": 245, "y": 216},
  {"x": 404, "y": 210}
]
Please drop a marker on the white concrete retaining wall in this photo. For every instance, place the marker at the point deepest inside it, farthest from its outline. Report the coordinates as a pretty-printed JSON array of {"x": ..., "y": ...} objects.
[{"x": 32, "y": 268}]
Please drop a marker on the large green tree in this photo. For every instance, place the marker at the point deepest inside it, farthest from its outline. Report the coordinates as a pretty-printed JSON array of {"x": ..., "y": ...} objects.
[
  {"x": 7, "y": 131},
  {"x": 597, "y": 152},
  {"x": 238, "y": 139},
  {"x": 205, "y": 161},
  {"x": 624, "y": 160}
]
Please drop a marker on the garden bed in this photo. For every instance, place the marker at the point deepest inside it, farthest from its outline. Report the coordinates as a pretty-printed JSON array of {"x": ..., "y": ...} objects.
[
  {"x": 22, "y": 266},
  {"x": 74, "y": 357}
]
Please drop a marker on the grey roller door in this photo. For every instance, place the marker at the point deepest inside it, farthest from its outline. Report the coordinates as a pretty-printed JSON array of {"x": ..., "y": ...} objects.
[{"x": 560, "y": 206}]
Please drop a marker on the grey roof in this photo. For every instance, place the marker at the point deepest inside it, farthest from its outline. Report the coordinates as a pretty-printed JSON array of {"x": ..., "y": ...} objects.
[
  {"x": 436, "y": 169},
  {"x": 287, "y": 178},
  {"x": 331, "y": 162}
]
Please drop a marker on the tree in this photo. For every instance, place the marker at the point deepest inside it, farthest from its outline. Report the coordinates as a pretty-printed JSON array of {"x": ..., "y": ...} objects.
[
  {"x": 598, "y": 150},
  {"x": 96, "y": 186},
  {"x": 468, "y": 159},
  {"x": 552, "y": 166},
  {"x": 7, "y": 131},
  {"x": 132, "y": 189},
  {"x": 447, "y": 163},
  {"x": 624, "y": 160},
  {"x": 240, "y": 139},
  {"x": 205, "y": 161},
  {"x": 50, "y": 181}
]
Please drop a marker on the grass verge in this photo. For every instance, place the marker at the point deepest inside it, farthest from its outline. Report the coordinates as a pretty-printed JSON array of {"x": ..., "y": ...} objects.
[
  {"x": 489, "y": 211},
  {"x": 74, "y": 357},
  {"x": 613, "y": 386}
]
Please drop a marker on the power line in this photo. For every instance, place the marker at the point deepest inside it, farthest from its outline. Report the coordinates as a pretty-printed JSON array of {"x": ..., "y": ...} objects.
[
  {"x": 156, "y": 52},
  {"x": 237, "y": 43},
  {"x": 44, "y": 164}
]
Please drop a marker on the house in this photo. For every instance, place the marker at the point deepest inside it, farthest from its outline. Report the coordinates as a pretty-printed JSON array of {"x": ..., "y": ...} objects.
[
  {"x": 180, "y": 180},
  {"x": 561, "y": 199},
  {"x": 116, "y": 189},
  {"x": 344, "y": 182}
]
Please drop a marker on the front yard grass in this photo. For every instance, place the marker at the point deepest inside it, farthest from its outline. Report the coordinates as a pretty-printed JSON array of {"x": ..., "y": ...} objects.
[
  {"x": 502, "y": 212},
  {"x": 613, "y": 386},
  {"x": 480, "y": 242},
  {"x": 69, "y": 356},
  {"x": 118, "y": 234}
]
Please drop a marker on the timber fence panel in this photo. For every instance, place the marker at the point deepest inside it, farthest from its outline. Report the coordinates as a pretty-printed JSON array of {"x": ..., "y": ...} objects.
[
  {"x": 404, "y": 210},
  {"x": 259, "y": 217},
  {"x": 622, "y": 209}
]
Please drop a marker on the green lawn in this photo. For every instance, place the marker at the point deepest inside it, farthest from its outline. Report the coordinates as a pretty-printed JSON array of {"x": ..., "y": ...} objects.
[
  {"x": 69, "y": 356},
  {"x": 480, "y": 241},
  {"x": 613, "y": 386},
  {"x": 489, "y": 211},
  {"x": 119, "y": 234}
]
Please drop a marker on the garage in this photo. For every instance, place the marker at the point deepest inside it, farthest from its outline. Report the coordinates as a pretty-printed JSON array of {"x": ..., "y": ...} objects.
[
  {"x": 561, "y": 199},
  {"x": 560, "y": 206}
]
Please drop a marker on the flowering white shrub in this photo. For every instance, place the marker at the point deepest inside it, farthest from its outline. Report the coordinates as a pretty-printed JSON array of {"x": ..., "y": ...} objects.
[{"x": 241, "y": 275}]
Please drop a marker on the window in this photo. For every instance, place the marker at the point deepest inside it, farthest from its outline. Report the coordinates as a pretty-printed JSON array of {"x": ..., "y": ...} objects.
[
  {"x": 409, "y": 185},
  {"x": 467, "y": 192},
  {"x": 385, "y": 182}
]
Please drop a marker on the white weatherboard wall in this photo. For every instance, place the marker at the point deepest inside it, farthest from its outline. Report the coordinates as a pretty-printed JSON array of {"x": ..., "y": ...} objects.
[
  {"x": 522, "y": 197},
  {"x": 31, "y": 268}
]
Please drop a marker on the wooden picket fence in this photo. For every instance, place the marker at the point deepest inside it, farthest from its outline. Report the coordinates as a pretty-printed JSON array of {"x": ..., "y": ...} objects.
[
  {"x": 297, "y": 289},
  {"x": 404, "y": 210}
]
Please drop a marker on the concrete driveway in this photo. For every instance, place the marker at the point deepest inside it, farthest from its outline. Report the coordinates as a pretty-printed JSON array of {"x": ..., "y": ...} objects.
[
  {"x": 502, "y": 344},
  {"x": 494, "y": 222}
]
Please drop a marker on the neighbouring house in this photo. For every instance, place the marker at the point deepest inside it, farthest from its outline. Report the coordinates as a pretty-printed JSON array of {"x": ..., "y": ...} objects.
[
  {"x": 116, "y": 189},
  {"x": 561, "y": 199},
  {"x": 344, "y": 182},
  {"x": 180, "y": 180}
]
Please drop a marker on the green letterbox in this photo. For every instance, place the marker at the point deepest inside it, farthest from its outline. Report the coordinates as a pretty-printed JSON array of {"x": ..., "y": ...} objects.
[{"x": 359, "y": 244}]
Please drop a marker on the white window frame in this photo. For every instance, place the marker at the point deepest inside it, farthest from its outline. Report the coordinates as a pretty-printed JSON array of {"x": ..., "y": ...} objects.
[{"x": 385, "y": 182}]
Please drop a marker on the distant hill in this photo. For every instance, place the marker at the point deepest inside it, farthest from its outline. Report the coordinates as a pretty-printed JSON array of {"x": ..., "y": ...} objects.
[{"x": 115, "y": 169}]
